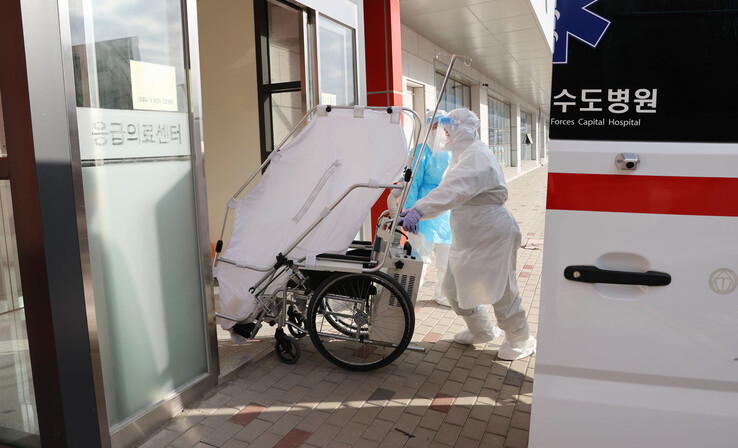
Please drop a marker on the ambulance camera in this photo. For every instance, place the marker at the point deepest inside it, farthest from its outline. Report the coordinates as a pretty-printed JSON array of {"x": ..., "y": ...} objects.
[{"x": 626, "y": 161}]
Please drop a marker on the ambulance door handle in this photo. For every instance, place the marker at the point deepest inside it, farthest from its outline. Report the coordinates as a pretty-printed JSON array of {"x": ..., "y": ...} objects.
[{"x": 593, "y": 274}]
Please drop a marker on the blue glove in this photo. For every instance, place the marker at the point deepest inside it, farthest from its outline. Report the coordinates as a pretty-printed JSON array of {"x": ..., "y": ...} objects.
[{"x": 409, "y": 219}]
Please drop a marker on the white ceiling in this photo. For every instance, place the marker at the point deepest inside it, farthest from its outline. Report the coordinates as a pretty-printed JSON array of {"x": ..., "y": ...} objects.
[{"x": 504, "y": 38}]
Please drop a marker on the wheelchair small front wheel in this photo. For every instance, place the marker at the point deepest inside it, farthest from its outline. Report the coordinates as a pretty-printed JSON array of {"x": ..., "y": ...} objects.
[
  {"x": 360, "y": 321},
  {"x": 287, "y": 348}
]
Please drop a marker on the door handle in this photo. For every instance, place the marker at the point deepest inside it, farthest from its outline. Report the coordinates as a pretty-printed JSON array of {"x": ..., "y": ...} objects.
[{"x": 593, "y": 274}]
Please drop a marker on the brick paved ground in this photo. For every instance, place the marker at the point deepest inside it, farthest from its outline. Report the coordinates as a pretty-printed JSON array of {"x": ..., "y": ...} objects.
[{"x": 452, "y": 395}]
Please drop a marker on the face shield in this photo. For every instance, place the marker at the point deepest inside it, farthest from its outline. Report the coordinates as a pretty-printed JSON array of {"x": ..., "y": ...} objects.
[{"x": 437, "y": 139}]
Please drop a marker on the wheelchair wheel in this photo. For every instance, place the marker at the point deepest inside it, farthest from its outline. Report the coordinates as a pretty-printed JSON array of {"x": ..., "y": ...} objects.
[
  {"x": 360, "y": 321},
  {"x": 287, "y": 348}
]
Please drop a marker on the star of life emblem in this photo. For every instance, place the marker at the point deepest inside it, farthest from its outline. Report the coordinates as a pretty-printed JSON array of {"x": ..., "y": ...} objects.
[{"x": 573, "y": 19}]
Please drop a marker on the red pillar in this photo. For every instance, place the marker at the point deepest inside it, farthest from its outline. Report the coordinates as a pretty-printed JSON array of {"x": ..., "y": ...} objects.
[{"x": 383, "y": 48}]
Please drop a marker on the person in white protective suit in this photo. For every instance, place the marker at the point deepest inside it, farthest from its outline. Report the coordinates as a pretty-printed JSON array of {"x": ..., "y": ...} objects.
[
  {"x": 481, "y": 266},
  {"x": 434, "y": 235}
]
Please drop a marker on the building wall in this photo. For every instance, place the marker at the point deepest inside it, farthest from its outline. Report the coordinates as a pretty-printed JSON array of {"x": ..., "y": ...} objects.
[
  {"x": 418, "y": 54},
  {"x": 230, "y": 100}
]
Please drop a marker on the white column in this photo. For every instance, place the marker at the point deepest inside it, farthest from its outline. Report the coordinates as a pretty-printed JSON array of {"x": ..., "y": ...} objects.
[
  {"x": 515, "y": 135},
  {"x": 479, "y": 107}
]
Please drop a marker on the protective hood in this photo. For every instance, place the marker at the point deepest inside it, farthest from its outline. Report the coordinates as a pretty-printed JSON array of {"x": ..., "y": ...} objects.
[{"x": 461, "y": 125}]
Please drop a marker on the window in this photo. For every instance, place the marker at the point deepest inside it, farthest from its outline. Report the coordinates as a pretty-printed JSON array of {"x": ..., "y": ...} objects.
[
  {"x": 528, "y": 151},
  {"x": 456, "y": 94},
  {"x": 296, "y": 46},
  {"x": 336, "y": 62},
  {"x": 282, "y": 68},
  {"x": 499, "y": 130}
]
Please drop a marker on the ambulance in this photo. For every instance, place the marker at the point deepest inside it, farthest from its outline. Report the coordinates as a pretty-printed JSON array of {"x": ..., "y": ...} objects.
[{"x": 638, "y": 326}]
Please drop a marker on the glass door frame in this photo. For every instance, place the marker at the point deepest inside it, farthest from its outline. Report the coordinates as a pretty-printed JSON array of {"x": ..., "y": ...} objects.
[
  {"x": 47, "y": 352},
  {"x": 48, "y": 204}
]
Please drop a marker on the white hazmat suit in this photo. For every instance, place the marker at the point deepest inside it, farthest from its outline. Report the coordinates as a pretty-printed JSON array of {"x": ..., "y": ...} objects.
[{"x": 481, "y": 265}]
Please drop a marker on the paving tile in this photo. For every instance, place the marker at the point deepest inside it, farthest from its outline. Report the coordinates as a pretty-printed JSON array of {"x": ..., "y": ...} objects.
[
  {"x": 467, "y": 362},
  {"x": 432, "y": 337},
  {"x": 442, "y": 402},
  {"x": 516, "y": 438},
  {"x": 498, "y": 424},
  {"x": 451, "y": 387},
  {"x": 458, "y": 374},
  {"x": 481, "y": 411},
  {"x": 274, "y": 412},
  {"x": 323, "y": 434},
  {"x": 314, "y": 419},
  {"x": 447, "y": 434},
  {"x": 457, "y": 415},
  {"x": 494, "y": 382},
  {"x": 191, "y": 437},
  {"x": 161, "y": 439},
  {"x": 490, "y": 440},
  {"x": 364, "y": 443},
  {"x": 350, "y": 433},
  {"x": 418, "y": 406},
  {"x": 285, "y": 424},
  {"x": 432, "y": 419},
  {"x": 222, "y": 434},
  {"x": 252, "y": 431},
  {"x": 366, "y": 414},
  {"x": 520, "y": 420},
  {"x": 514, "y": 378},
  {"x": 377, "y": 430},
  {"x": 219, "y": 417},
  {"x": 381, "y": 396},
  {"x": 473, "y": 385},
  {"x": 428, "y": 390},
  {"x": 467, "y": 442},
  {"x": 421, "y": 438},
  {"x": 266, "y": 440},
  {"x": 294, "y": 439},
  {"x": 391, "y": 412},
  {"x": 185, "y": 421},
  {"x": 340, "y": 417}
]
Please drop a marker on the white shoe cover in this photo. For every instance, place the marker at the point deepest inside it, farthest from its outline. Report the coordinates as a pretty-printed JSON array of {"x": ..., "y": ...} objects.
[
  {"x": 489, "y": 332},
  {"x": 441, "y": 300},
  {"x": 508, "y": 353}
]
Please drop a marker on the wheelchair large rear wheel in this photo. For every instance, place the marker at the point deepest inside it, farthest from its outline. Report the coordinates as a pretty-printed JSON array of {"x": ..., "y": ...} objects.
[{"x": 360, "y": 321}]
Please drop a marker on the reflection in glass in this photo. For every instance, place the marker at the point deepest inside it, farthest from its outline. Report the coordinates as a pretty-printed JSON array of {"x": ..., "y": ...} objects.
[
  {"x": 336, "y": 61},
  {"x": 526, "y": 137},
  {"x": 284, "y": 43},
  {"x": 286, "y": 113},
  {"x": 499, "y": 130},
  {"x": 17, "y": 400},
  {"x": 455, "y": 96},
  {"x": 108, "y": 34}
]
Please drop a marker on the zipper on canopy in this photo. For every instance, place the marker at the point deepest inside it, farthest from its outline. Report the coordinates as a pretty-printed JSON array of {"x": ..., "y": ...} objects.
[{"x": 323, "y": 180}]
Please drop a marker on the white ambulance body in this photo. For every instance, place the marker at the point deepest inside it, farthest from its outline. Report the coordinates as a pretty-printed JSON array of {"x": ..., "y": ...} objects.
[{"x": 638, "y": 330}]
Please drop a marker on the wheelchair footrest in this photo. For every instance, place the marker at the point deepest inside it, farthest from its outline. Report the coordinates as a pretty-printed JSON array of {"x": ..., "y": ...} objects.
[{"x": 248, "y": 330}]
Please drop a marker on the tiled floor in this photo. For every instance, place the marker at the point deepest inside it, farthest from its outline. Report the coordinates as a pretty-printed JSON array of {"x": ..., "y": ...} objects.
[{"x": 451, "y": 395}]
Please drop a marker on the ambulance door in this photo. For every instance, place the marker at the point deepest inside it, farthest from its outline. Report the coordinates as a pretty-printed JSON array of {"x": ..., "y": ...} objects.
[{"x": 638, "y": 330}]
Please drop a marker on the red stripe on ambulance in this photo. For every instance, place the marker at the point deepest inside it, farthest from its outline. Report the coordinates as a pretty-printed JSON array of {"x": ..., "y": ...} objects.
[{"x": 666, "y": 195}]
